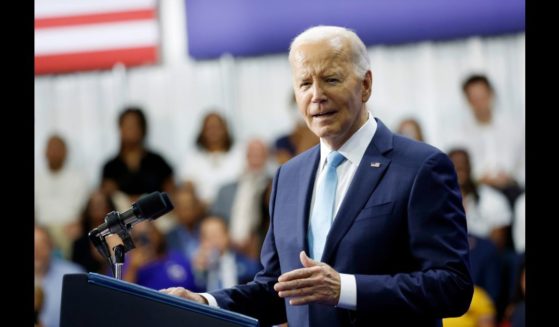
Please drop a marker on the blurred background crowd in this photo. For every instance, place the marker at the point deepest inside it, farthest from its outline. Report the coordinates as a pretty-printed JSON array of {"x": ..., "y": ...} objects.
[{"x": 211, "y": 130}]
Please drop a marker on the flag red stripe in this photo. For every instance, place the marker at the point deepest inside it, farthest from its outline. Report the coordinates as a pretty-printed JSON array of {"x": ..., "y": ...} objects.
[
  {"x": 89, "y": 19},
  {"x": 69, "y": 62}
]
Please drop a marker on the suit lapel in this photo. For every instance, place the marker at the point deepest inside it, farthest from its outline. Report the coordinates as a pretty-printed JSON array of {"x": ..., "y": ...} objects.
[
  {"x": 307, "y": 177},
  {"x": 372, "y": 167}
]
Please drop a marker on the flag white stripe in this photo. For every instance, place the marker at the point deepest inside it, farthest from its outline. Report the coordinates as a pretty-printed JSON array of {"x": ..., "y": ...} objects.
[
  {"x": 96, "y": 37},
  {"x": 57, "y": 8}
]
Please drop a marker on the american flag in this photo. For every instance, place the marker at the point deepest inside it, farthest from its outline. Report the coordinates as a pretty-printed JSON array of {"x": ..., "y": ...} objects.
[{"x": 94, "y": 34}]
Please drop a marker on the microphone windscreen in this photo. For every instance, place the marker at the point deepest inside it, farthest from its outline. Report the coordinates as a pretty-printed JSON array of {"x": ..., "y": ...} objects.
[{"x": 153, "y": 205}]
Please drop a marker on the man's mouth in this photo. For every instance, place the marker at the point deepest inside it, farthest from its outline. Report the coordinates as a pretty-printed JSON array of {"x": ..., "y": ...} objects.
[{"x": 324, "y": 114}]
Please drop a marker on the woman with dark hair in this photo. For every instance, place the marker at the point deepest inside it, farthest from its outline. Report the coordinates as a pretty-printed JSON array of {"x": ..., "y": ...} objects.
[
  {"x": 215, "y": 160},
  {"x": 487, "y": 212},
  {"x": 136, "y": 170}
]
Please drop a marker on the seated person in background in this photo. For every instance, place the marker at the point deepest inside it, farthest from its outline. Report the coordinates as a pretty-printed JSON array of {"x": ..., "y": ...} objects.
[
  {"x": 299, "y": 140},
  {"x": 494, "y": 139},
  {"x": 151, "y": 265},
  {"x": 60, "y": 194},
  {"x": 135, "y": 170},
  {"x": 214, "y": 161},
  {"x": 189, "y": 211},
  {"x": 487, "y": 212},
  {"x": 410, "y": 128},
  {"x": 216, "y": 263},
  {"x": 49, "y": 271},
  {"x": 240, "y": 202}
]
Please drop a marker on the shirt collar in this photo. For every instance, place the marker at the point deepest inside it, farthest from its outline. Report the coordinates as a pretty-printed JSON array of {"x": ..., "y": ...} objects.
[{"x": 354, "y": 148}]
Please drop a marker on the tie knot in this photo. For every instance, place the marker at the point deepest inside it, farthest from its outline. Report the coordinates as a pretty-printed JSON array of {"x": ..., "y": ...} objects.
[{"x": 335, "y": 159}]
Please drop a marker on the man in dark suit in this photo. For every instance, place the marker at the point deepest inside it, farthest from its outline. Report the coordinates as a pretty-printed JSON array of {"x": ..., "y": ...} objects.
[{"x": 380, "y": 215}]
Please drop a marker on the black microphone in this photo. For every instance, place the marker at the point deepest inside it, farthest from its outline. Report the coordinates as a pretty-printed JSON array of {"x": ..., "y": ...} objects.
[{"x": 151, "y": 206}]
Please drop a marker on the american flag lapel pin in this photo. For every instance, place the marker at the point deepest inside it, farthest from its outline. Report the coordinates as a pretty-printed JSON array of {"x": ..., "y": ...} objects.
[{"x": 375, "y": 164}]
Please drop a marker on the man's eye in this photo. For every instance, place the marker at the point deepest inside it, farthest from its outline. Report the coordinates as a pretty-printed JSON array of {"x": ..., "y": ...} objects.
[
  {"x": 332, "y": 80},
  {"x": 304, "y": 84}
]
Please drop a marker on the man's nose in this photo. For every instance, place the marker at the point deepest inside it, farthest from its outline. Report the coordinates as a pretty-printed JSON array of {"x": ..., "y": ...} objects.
[{"x": 318, "y": 93}]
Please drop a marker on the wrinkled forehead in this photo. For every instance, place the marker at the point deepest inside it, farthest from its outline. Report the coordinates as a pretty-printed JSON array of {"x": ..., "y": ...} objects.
[{"x": 319, "y": 55}]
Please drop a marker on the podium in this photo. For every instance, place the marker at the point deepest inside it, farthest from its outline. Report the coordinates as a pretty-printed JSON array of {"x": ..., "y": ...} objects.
[{"x": 96, "y": 300}]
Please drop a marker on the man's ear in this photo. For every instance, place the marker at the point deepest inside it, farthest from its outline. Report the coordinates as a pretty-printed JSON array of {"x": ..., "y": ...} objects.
[{"x": 367, "y": 84}]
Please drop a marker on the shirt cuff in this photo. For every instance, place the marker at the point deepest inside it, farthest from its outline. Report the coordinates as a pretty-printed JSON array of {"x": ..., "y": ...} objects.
[
  {"x": 348, "y": 292},
  {"x": 211, "y": 299}
]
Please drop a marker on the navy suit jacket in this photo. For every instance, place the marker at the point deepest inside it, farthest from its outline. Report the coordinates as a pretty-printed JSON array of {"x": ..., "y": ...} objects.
[{"x": 400, "y": 229}]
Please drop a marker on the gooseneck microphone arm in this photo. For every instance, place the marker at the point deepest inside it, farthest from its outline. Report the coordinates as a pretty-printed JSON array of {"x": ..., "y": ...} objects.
[{"x": 151, "y": 206}]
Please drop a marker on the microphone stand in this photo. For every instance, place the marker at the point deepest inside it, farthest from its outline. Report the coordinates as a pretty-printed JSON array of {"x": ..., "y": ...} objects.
[
  {"x": 115, "y": 226},
  {"x": 119, "y": 251}
]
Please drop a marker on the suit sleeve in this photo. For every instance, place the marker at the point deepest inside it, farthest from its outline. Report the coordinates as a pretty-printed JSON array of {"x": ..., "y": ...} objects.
[
  {"x": 443, "y": 286},
  {"x": 258, "y": 298}
]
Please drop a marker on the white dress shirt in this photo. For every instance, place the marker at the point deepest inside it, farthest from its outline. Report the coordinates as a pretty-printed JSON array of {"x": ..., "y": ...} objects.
[{"x": 353, "y": 150}]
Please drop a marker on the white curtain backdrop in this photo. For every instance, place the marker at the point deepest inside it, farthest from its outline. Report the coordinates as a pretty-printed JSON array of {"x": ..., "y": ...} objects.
[{"x": 421, "y": 80}]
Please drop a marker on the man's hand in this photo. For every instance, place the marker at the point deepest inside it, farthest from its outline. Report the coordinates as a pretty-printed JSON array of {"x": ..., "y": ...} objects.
[
  {"x": 317, "y": 282},
  {"x": 184, "y": 293}
]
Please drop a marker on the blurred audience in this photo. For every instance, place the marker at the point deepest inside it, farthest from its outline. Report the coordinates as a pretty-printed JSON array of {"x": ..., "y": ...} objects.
[
  {"x": 410, "y": 128},
  {"x": 49, "y": 271},
  {"x": 189, "y": 211},
  {"x": 486, "y": 267},
  {"x": 83, "y": 251},
  {"x": 216, "y": 263},
  {"x": 152, "y": 264},
  {"x": 495, "y": 141},
  {"x": 135, "y": 170},
  {"x": 487, "y": 212},
  {"x": 240, "y": 202},
  {"x": 298, "y": 140},
  {"x": 60, "y": 194},
  {"x": 216, "y": 159}
]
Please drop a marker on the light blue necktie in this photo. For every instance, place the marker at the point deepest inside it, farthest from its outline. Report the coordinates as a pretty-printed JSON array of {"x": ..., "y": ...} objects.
[{"x": 323, "y": 210}]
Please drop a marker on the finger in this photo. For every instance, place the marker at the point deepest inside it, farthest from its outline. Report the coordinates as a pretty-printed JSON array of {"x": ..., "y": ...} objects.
[
  {"x": 297, "y": 274},
  {"x": 295, "y": 284},
  {"x": 180, "y": 292},
  {"x": 166, "y": 290},
  {"x": 306, "y": 261},
  {"x": 303, "y": 300},
  {"x": 297, "y": 292}
]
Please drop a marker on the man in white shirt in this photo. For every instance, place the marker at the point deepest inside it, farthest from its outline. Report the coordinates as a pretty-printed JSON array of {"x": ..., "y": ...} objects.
[
  {"x": 494, "y": 140},
  {"x": 60, "y": 196}
]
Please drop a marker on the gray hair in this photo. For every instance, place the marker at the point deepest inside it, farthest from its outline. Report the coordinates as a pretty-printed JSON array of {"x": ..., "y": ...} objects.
[{"x": 336, "y": 35}]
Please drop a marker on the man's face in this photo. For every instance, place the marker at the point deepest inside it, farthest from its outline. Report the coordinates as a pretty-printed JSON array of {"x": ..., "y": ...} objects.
[
  {"x": 214, "y": 235},
  {"x": 480, "y": 98},
  {"x": 56, "y": 153},
  {"x": 186, "y": 207},
  {"x": 329, "y": 95},
  {"x": 257, "y": 155}
]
